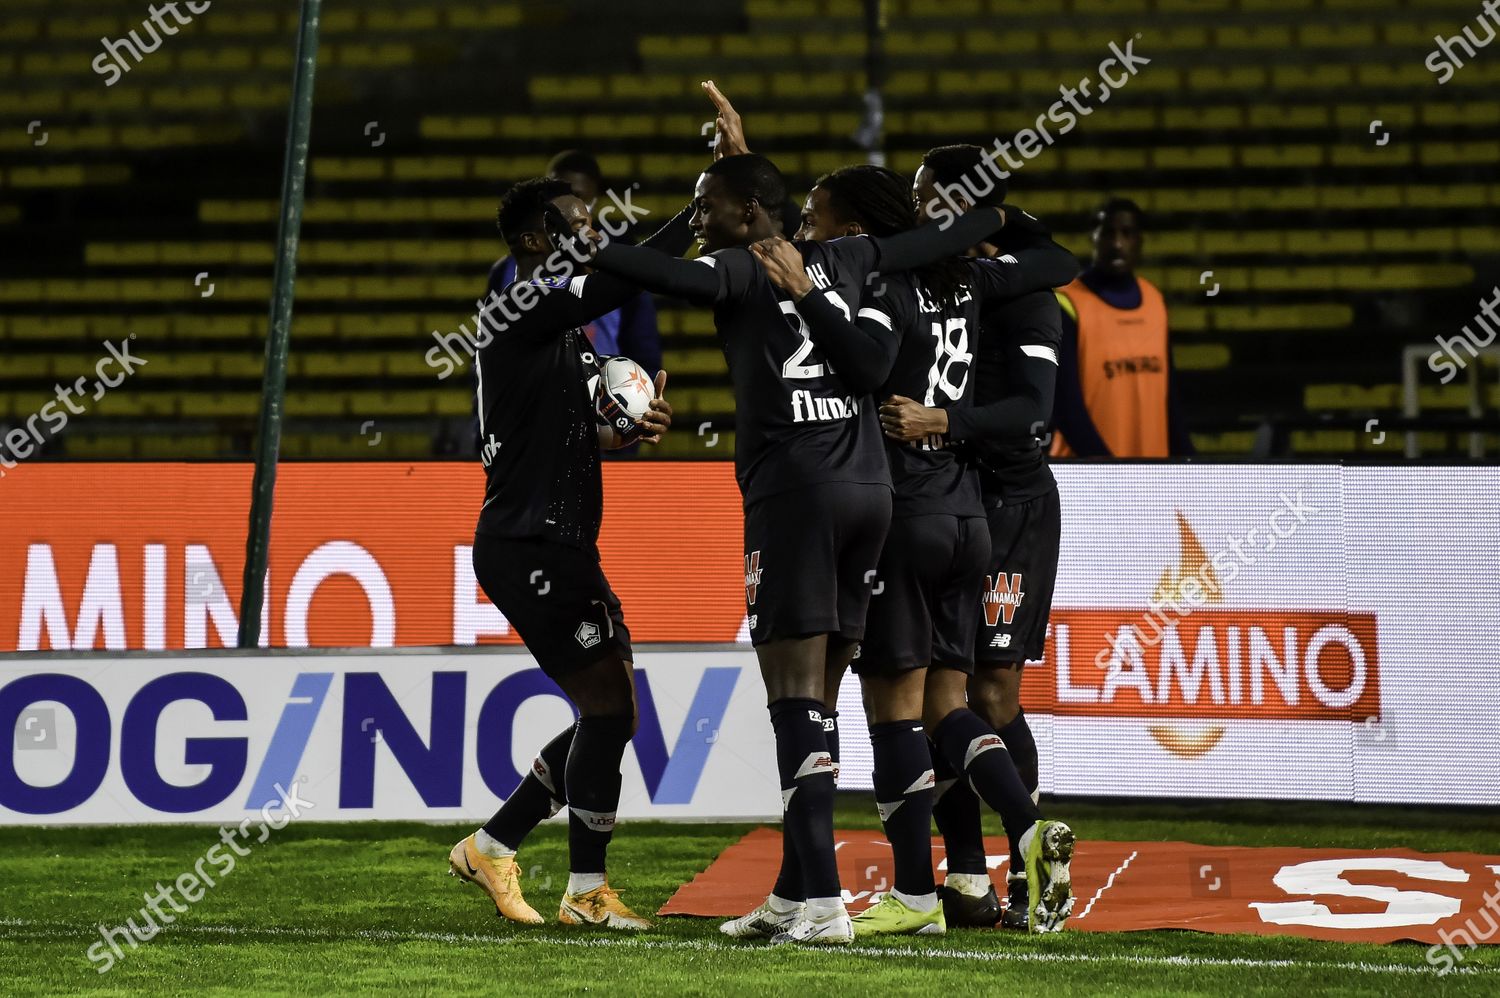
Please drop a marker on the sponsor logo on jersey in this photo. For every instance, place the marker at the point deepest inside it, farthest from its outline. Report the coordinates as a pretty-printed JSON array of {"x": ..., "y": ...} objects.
[
  {"x": 752, "y": 579},
  {"x": 1002, "y": 594},
  {"x": 1147, "y": 364},
  {"x": 810, "y": 408},
  {"x": 1000, "y": 641},
  {"x": 587, "y": 634}
]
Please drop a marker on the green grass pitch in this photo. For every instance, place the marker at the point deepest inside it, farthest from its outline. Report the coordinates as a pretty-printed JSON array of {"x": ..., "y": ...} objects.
[{"x": 368, "y": 908}]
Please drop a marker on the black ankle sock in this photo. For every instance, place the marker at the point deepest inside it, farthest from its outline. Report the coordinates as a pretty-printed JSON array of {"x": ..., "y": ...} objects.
[
  {"x": 806, "y": 771},
  {"x": 903, "y": 792},
  {"x": 539, "y": 796},
  {"x": 593, "y": 787},
  {"x": 956, "y": 811},
  {"x": 971, "y": 745},
  {"x": 1022, "y": 748}
]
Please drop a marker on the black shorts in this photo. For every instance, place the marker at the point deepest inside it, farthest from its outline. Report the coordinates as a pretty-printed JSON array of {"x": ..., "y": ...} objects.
[
  {"x": 1019, "y": 579},
  {"x": 810, "y": 559},
  {"x": 557, "y": 599},
  {"x": 926, "y": 604}
]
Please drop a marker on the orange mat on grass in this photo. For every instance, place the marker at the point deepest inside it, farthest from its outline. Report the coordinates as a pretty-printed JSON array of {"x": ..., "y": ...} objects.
[{"x": 1383, "y": 896}]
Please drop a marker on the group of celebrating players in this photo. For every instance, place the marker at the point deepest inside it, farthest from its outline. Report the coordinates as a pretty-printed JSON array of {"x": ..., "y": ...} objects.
[{"x": 892, "y": 377}]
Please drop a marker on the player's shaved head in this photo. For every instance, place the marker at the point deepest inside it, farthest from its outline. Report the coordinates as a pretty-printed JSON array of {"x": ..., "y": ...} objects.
[
  {"x": 752, "y": 177},
  {"x": 738, "y": 200},
  {"x": 966, "y": 165},
  {"x": 521, "y": 207}
]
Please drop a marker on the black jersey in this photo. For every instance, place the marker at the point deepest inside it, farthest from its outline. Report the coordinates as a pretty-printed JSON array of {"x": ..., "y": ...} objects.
[
  {"x": 535, "y": 375},
  {"x": 796, "y": 422},
  {"x": 538, "y": 426},
  {"x": 934, "y": 364},
  {"x": 1015, "y": 470}
]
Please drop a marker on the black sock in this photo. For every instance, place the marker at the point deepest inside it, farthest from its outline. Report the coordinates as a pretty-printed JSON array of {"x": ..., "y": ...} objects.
[
  {"x": 1022, "y": 748},
  {"x": 956, "y": 811},
  {"x": 593, "y": 785},
  {"x": 539, "y": 796},
  {"x": 789, "y": 880},
  {"x": 831, "y": 732},
  {"x": 972, "y": 746},
  {"x": 903, "y": 793},
  {"x": 806, "y": 771}
]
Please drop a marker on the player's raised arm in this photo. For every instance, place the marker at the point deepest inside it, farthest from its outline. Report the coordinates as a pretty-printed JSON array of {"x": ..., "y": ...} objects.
[
  {"x": 863, "y": 350},
  {"x": 729, "y": 131}
]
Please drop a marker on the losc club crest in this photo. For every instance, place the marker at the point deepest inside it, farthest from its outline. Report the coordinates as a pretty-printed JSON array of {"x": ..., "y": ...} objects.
[{"x": 587, "y": 634}]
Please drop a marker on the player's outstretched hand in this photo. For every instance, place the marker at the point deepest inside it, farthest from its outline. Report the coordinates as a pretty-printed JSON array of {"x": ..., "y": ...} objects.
[
  {"x": 658, "y": 418},
  {"x": 560, "y": 231},
  {"x": 729, "y": 131},
  {"x": 905, "y": 419},
  {"x": 783, "y": 266}
]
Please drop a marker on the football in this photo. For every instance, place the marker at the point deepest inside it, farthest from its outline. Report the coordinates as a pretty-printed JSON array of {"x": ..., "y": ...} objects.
[{"x": 625, "y": 393}]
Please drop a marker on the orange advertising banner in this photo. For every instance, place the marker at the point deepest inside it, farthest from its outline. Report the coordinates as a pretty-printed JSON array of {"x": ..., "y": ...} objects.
[{"x": 151, "y": 556}]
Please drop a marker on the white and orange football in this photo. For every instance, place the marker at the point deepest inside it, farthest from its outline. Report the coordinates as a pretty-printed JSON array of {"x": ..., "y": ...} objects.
[{"x": 625, "y": 394}]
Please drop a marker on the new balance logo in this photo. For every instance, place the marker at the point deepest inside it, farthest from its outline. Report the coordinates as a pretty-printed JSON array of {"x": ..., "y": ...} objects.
[
  {"x": 1000, "y": 640},
  {"x": 981, "y": 745},
  {"x": 814, "y": 764},
  {"x": 1002, "y": 594}
]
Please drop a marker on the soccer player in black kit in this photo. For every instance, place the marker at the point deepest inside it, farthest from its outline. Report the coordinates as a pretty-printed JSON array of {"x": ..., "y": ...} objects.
[
  {"x": 1016, "y": 374},
  {"x": 811, "y": 466},
  {"x": 912, "y": 338},
  {"x": 535, "y": 546}
]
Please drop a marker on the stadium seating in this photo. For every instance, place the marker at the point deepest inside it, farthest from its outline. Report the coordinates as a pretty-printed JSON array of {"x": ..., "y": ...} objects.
[{"x": 1315, "y": 199}]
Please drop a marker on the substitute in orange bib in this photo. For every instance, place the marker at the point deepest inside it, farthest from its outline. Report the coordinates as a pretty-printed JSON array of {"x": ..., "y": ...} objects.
[{"x": 1114, "y": 381}]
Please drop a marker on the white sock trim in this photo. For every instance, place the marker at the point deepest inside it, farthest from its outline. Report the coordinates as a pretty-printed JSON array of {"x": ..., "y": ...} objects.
[
  {"x": 490, "y": 846},
  {"x": 917, "y": 902},
  {"x": 823, "y": 908},
  {"x": 973, "y": 885},
  {"x": 582, "y": 883}
]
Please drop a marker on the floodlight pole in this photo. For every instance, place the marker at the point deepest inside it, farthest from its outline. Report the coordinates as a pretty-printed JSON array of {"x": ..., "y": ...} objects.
[
  {"x": 273, "y": 391},
  {"x": 871, "y": 134}
]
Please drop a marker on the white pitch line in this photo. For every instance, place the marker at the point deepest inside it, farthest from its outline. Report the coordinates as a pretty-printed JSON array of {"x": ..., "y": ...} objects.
[
  {"x": 1108, "y": 884},
  {"x": 691, "y": 945}
]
